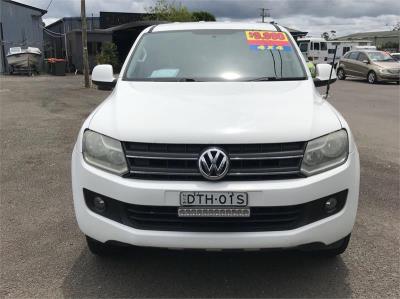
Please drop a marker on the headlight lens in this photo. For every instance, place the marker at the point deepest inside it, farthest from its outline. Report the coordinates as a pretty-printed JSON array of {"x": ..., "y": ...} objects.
[
  {"x": 384, "y": 71},
  {"x": 325, "y": 153},
  {"x": 104, "y": 152}
]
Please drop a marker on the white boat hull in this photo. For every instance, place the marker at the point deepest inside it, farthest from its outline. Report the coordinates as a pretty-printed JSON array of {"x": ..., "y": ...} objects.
[{"x": 23, "y": 60}]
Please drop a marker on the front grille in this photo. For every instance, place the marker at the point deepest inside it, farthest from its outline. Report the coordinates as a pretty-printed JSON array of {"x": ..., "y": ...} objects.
[
  {"x": 165, "y": 218},
  {"x": 154, "y": 161}
]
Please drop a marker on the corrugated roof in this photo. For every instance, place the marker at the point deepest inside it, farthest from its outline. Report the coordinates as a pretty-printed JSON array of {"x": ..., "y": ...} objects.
[
  {"x": 133, "y": 25},
  {"x": 43, "y": 11},
  {"x": 373, "y": 34},
  {"x": 291, "y": 30}
]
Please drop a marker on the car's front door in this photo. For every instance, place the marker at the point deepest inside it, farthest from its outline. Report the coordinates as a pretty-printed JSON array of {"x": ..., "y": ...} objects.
[
  {"x": 362, "y": 67},
  {"x": 351, "y": 64}
]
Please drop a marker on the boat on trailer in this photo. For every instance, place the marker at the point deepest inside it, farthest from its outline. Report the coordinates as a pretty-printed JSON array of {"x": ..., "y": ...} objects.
[{"x": 24, "y": 60}]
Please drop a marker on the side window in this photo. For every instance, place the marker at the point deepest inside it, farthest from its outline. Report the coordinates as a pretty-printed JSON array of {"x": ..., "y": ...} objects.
[
  {"x": 324, "y": 47},
  {"x": 353, "y": 55},
  {"x": 316, "y": 46},
  {"x": 362, "y": 57},
  {"x": 303, "y": 47}
]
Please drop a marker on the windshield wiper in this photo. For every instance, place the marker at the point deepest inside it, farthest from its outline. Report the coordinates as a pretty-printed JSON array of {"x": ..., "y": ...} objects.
[
  {"x": 265, "y": 79},
  {"x": 186, "y": 80},
  {"x": 278, "y": 79},
  {"x": 165, "y": 79}
]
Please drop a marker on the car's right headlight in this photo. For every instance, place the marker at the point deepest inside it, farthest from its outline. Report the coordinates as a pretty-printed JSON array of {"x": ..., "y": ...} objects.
[
  {"x": 325, "y": 153},
  {"x": 104, "y": 152}
]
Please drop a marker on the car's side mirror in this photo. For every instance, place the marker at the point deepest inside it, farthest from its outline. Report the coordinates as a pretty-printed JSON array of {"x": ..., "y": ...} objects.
[
  {"x": 365, "y": 61},
  {"x": 323, "y": 71},
  {"x": 103, "y": 76}
]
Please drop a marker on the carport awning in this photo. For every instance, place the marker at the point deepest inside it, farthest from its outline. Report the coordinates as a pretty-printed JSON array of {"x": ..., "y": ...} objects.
[{"x": 133, "y": 25}]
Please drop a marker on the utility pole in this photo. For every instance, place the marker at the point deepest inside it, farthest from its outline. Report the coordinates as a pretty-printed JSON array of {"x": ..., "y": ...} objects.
[
  {"x": 264, "y": 14},
  {"x": 84, "y": 44}
]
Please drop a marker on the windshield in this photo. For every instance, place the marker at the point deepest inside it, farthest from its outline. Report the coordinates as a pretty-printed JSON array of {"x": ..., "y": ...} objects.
[
  {"x": 396, "y": 56},
  {"x": 214, "y": 55},
  {"x": 379, "y": 56}
]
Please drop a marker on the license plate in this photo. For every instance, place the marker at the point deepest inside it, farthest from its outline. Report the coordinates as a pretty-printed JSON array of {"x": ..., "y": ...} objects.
[{"x": 220, "y": 199}]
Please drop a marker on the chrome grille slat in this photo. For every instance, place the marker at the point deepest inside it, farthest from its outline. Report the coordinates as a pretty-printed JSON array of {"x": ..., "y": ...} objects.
[
  {"x": 162, "y": 156},
  {"x": 164, "y": 173},
  {"x": 263, "y": 173},
  {"x": 180, "y": 161},
  {"x": 267, "y": 156}
]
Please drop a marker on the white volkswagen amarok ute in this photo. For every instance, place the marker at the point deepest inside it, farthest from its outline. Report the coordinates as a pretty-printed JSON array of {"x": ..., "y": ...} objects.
[{"x": 215, "y": 137}]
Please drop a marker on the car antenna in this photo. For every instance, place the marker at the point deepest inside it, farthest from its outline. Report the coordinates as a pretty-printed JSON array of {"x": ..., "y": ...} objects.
[{"x": 330, "y": 74}]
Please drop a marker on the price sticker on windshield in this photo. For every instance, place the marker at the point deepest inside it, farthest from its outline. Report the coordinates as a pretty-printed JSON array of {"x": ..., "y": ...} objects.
[{"x": 268, "y": 40}]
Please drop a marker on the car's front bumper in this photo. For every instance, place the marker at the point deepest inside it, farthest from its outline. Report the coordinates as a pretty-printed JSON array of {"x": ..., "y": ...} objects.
[
  {"x": 261, "y": 193},
  {"x": 388, "y": 77}
]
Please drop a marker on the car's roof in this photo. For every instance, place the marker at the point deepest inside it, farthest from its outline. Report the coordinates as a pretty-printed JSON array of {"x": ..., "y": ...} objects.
[
  {"x": 365, "y": 50},
  {"x": 215, "y": 25},
  {"x": 313, "y": 39}
]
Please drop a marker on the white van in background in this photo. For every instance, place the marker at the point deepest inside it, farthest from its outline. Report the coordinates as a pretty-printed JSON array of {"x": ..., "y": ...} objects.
[
  {"x": 319, "y": 50},
  {"x": 314, "y": 49}
]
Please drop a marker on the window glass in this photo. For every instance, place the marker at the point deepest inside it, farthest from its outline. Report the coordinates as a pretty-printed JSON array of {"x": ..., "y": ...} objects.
[
  {"x": 345, "y": 50},
  {"x": 303, "y": 47},
  {"x": 353, "y": 55},
  {"x": 324, "y": 47},
  {"x": 380, "y": 56},
  {"x": 316, "y": 46},
  {"x": 208, "y": 55},
  {"x": 362, "y": 57}
]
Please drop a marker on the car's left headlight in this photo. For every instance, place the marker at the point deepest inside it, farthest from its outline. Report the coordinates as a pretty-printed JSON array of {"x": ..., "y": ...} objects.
[
  {"x": 325, "y": 153},
  {"x": 384, "y": 71},
  {"x": 104, "y": 152}
]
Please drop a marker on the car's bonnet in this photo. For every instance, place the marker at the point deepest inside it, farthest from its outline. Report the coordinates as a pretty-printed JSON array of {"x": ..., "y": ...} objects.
[
  {"x": 389, "y": 65},
  {"x": 215, "y": 112}
]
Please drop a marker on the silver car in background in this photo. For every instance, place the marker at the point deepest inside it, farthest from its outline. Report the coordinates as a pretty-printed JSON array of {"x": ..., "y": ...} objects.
[{"x": 375, "y": 66}]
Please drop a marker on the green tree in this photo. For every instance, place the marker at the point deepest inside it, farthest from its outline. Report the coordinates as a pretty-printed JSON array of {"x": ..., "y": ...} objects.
[
  {"x": 325, "y": 35},
  {"x": 169, "y": 11},
  {"x": 108, "y": 55},
  {"x": 203, "y": 16},
  {"x": 389, "y": 46}
]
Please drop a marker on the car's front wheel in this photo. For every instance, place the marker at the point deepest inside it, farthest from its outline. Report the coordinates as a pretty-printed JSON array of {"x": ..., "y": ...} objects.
[
  {"x": 341, "y": 74},
  {"x": 372, "y": 77}
]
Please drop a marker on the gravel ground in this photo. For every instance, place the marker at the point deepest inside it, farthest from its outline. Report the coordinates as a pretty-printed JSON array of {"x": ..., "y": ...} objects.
[{"x": 43, "y": 254}]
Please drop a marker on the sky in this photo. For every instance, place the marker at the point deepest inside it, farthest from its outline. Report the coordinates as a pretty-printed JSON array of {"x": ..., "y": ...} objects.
[{"x": 313, "y": 16}]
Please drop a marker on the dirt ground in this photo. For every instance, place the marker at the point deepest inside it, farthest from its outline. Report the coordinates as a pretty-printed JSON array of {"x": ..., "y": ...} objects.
[{"x": 43, "y": 253}]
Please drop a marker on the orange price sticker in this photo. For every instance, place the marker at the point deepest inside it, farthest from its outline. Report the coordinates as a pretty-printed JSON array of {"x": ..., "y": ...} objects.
[{"x": 267, "y": 38}]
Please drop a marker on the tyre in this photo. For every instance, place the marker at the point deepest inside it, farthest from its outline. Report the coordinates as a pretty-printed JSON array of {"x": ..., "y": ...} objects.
[
  {"x": 372, "y": 79},
  {"x": 100, "y": 249},
  {"x": 336, "y": 248},
  {"x": 341, "y": 75}
]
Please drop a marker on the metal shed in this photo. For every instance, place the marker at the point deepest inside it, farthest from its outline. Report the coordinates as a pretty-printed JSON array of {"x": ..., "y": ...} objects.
[{"x": 20, "y": 26}]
